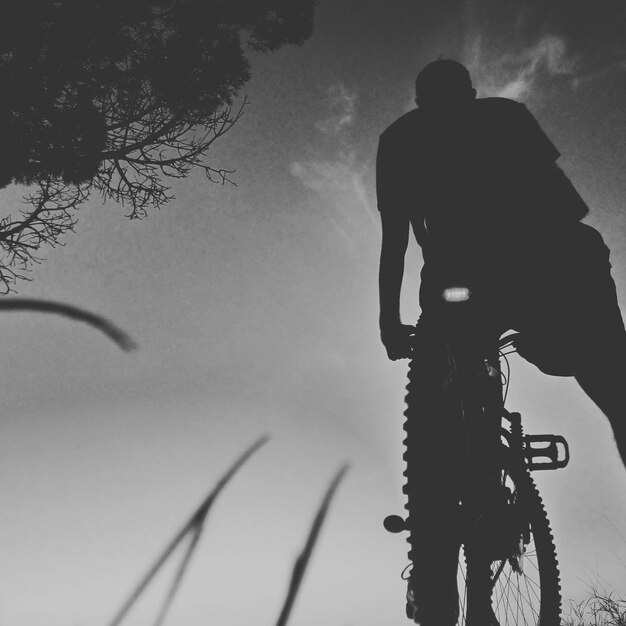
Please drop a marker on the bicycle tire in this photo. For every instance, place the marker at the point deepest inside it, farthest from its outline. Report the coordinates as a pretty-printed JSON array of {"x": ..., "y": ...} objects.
[{"x": 531, "y": 596}]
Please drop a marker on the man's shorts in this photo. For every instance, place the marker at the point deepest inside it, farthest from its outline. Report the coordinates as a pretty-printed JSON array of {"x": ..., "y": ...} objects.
[{"x": 556, "y": 289}]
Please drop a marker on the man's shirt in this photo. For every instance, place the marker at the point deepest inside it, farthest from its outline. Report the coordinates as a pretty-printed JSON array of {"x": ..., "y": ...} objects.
[{"x": 478, "y": 174}]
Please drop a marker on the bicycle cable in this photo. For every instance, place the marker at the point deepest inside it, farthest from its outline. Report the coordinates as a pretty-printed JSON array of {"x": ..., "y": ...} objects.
[
  {"x": 506, "y": 376},
  {"x": 404, "y": 574}
]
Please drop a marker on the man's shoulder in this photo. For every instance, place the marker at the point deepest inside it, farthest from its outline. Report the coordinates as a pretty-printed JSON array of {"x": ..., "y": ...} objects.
[
  {"x": 404, "y": 123},
  {"x": 489, "y": 107},
  {"x": 503, "y": 108},
  {"x": 504, "y": 104}
]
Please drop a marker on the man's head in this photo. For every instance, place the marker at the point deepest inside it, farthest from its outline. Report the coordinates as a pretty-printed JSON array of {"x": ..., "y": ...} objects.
[{"x": 443, "y": 85}]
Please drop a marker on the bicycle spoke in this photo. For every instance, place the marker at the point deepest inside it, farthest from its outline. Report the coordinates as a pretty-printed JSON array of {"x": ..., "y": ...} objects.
[
  {"x": 531, "y": 590},
  {"x": 508, "y": 597},
  {"x": 515, "y": 598},
  {"x": 524, "y": 587},
  {"x": 524, "y": 601},
  {"x": 530, "y": 580},
  {"x": 500, "y": 596},
  {"x": 535, "y": 566}
]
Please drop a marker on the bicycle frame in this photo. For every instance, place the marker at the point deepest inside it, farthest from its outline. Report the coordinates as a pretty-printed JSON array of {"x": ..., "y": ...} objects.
[
  {"x": 476, "y": 379},
  {"x": 498, "y": 505}
]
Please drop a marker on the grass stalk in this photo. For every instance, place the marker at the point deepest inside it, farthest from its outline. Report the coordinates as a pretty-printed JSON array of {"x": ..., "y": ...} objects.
[
  {"x": 304, "y": 557},
  {"x": 192, "y": 527},
  {"x": 115, "y": 334}
]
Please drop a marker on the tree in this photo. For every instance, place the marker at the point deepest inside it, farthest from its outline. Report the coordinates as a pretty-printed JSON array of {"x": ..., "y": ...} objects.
[{"x": 118, "y": 98}]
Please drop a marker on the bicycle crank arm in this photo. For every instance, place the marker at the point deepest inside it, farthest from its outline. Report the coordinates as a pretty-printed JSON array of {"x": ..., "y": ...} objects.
[{"x": 546, "y": 452}]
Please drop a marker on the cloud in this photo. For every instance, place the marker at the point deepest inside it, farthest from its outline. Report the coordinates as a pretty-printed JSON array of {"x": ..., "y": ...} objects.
[
  {"x": 514, "y": 74},
  {"x": 597, "y": 74},
  {"x": 342, "y": 194},
  {"x": 340, "y": 181},
  {"x": 327, "y": 176},
  {"x": 513, "y": 49},
  {"x": 342, "y": 106}
]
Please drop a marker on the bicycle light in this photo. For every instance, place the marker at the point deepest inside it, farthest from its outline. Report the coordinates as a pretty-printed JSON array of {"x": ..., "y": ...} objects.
[{"x": 456, "y": 294}]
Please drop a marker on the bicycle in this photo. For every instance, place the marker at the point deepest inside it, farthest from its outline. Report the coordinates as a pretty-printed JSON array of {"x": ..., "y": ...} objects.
[{"x": 509, "y": 570}]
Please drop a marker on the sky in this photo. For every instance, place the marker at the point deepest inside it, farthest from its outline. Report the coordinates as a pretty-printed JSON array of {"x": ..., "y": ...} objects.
[{"x": 255, "y": 308}]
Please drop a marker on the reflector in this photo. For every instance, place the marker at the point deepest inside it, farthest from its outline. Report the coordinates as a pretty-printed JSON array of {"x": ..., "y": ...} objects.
[{"x": 456, "y": 294}]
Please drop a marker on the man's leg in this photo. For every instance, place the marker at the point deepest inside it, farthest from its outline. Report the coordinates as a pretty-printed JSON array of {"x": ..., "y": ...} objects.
[
  {"x": 601, "y": 372},
  {"x": 598, "y": 343}
]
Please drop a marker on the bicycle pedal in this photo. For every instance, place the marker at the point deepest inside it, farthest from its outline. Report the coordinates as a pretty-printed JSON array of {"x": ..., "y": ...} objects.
[{"x": 546, "y": 452}]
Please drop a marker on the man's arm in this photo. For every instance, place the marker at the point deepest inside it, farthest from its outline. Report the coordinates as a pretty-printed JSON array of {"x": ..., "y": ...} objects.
[
  {"x": 393, "y": 198},
  {"x": 395, "y": 335}
]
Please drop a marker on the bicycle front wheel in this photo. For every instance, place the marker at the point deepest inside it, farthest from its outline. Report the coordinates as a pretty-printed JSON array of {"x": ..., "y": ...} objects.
[{"x": 521, "y": 584}]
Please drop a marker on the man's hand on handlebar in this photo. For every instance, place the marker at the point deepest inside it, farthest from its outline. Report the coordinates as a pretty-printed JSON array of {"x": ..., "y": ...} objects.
[{"x": 397, "y": 340}]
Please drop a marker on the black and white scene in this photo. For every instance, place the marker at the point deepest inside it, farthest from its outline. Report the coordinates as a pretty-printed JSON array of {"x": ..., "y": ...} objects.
[{"x": 311, "y": 312}]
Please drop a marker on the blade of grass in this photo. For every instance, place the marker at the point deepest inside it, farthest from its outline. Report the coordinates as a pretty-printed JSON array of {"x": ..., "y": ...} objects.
[
  {"x": 195, "y": 522},
  {"x": 302, "y": 561},
  {"x": 124, "y": 341},
  {"x": 180, "y": 573}
]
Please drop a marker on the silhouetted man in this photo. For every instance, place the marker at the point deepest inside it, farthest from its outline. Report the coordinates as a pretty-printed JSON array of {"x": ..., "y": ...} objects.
[{"x": 476, "y": 181}]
